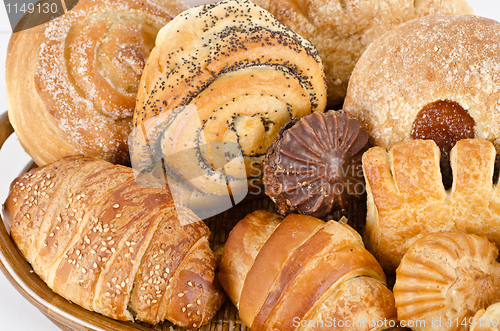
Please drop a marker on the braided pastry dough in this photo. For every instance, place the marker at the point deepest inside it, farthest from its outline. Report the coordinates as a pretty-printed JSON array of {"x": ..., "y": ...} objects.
[
  {"x": 222, "y": 73},
  {"x": 343, "y": 29},
  {"x": 406, "y": 197},
  {"x": 72, "y": 82},
  {"x": 280, "y": 274},
  {"x": 102, "y": 241}
]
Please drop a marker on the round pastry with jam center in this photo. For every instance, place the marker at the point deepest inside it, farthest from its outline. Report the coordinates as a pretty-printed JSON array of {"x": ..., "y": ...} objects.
[
  {"x": 314, "y": 166},
  {"x": 434, "y": 77}
]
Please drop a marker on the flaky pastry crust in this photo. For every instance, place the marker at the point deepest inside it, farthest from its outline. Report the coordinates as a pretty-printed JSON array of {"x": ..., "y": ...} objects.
[
  {"x": 302, "y": 269},
  {"x": 100, "y": 240},
  {"x": 406, "y": 197}
]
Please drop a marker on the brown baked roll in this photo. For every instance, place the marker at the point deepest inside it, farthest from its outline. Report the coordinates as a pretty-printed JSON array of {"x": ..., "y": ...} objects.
[
  {"x": 223, "y": 74},
  {"x": 342, "y": 30},
  {"x": 435, "y": 77},
  {"x": 302, "y": 273},
  {"x": 72, "y": 82},
  {"x": 444, "y": 279},
  {"x": 406, "y": 197},
  {"x": 100, "y": 240},
  {"x": 314, "y": 166}
]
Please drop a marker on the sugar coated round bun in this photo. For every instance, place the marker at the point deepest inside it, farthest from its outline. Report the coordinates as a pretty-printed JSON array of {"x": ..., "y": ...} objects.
[{"x": 435, "y": 77}]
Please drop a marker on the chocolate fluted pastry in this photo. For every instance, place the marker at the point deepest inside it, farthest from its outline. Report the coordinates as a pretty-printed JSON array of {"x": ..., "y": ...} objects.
[{"x": 314, "y": 166}]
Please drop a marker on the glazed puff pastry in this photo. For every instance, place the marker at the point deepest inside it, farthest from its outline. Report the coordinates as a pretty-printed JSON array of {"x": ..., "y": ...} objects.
[
  {"x": 444, "y": 279},
  {"x": 406, "y": 197}
]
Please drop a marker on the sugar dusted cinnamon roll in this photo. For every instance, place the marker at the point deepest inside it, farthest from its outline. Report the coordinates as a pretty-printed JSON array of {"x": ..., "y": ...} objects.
[{"x": 72, "y": 82}]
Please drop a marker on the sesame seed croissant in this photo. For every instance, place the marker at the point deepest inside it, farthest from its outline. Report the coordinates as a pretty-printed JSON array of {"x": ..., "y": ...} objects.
[
  {"x": 102, "y": 241},
  {"x": 222, "y": 73}
]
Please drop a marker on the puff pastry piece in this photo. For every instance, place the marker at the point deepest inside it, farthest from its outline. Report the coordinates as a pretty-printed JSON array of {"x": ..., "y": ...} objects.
[
  {"x": 72, "y": 82},
  {"x": 406, "y": 197},
  {"x": 343, "y": 29},
  {"x": 444, "y": 279},
  {"x": 280, "y": 274},
  {"x": 227, "y": 72},
  {"x": 102, "y": 241},
  {"x": 487, "y": 319}
]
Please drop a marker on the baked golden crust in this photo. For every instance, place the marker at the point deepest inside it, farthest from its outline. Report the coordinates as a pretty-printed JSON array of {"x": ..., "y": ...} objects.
[
  {"x": 305, "y": 269},
  {"x": 72, "y": 82},
  {"x": 342, "y": 30},
  {"x": 487, "y": 319},
  {"x": 406, "y": 197},
  {"x": 434, "y": 58},
  {"x": 446, "y": 277},
  {"x": 226, "y": 72},
  {"x": 102, "y": 241}
]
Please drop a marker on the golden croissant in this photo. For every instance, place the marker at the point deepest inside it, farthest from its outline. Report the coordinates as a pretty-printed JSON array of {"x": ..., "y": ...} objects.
[
  {"x": 301, "y": 273},
  {"x": 100, "y": 240}
]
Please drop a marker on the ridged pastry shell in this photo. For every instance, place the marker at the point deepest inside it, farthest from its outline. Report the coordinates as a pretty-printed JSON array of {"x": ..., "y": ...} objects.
[{"x": 446, "y": 277}]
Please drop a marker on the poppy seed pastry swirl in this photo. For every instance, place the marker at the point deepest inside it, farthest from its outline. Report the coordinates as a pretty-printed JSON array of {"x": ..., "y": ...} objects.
[{"x": 225, "y": 73}]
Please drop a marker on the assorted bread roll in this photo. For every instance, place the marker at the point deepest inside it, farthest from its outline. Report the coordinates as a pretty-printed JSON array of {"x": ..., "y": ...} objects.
[
  {"x": 72, "y": 82},
  {"x": 221, "y": 73},
  {"x": 342, "y": 30},
  {"x": 444, "y": 279},
  {"x": 282, "y": 273},
  {"x": 100, "y": 240},
  {"x": 435, "y": 77},
  {"x": 219, "y": 95}
]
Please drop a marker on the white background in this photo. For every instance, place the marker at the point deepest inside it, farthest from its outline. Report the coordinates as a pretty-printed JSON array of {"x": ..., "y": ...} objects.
[{"x": 16, "y": 313}]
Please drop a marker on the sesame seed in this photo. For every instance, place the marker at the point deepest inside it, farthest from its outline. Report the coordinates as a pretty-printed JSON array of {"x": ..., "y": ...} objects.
[
  {"x": 180, "y": 295},
  {"x": 116, "y": 205},
  {"x": 183, "y": 309}
]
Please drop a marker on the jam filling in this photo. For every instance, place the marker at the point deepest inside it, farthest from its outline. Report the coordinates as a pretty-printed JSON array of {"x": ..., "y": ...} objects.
[{"x": 445, "y": 122}]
